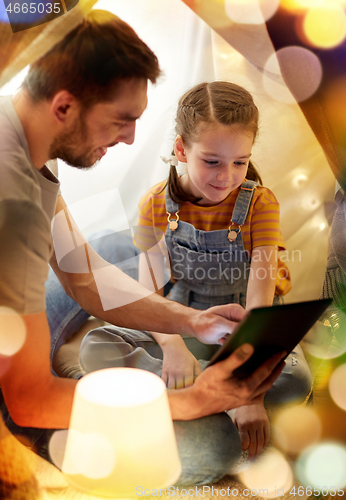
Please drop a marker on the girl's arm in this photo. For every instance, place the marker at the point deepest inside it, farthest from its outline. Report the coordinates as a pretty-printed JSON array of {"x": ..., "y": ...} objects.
[
  {"x": 252, "y": 421},
  {"x": 262, "y": 279},
  {"x": 180, "y": 367}
]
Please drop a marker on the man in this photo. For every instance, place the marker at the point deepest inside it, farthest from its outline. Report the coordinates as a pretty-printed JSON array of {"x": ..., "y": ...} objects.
[{"x": 82, "y": 97}]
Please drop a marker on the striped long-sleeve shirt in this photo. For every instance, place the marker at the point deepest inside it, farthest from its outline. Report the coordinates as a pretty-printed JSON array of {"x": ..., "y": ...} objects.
[{"x": 261, "y": 227}]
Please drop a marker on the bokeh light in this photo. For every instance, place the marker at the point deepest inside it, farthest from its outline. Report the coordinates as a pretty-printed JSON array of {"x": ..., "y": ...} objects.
[
  {"x": 322, "y": 465},
  {"x": 251, "y": 11},
  {"x": 12, "y": 331},
  {"x": 296, "y": 428},
  {"x": 318, "y": 339},
  {"x": 325, "y": 27},
  {"x": 301, "y": 6},
  {"x": 300, "y": 180},
  {"x": 273, "y": 82},
  {"x": 91, "y": 454},
  {"x": 270, "y": 473},
  {"x": 56, "y": 447},
  {"x": 292, "y": 6},
  {"x": 301, "y": 71},
  {"x": 337, "y": 326},
  {"x": 337, "y": 386}
]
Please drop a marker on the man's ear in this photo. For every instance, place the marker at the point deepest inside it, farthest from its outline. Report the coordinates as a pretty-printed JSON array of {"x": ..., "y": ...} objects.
[
  {"x": 64, "y": 106},
  {"x": 179, "y": 149}
]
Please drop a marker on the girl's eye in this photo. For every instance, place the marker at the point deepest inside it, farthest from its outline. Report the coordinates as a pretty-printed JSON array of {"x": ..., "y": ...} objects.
[
  {"x": 211, "y": 162},
  {"x": 239, "y": 163}
]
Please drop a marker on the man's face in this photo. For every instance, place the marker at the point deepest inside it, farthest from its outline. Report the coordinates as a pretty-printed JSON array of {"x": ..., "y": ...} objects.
[{"x": 102, "y": 126}]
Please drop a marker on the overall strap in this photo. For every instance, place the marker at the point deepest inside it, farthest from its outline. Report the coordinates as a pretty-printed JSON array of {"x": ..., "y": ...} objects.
[
  {"x": 171, "y": 206},
  {"x": 243, "y": 202}
]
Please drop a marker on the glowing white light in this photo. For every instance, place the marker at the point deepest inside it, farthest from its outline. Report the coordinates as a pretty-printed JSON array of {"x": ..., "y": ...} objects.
[
  {"x": 296, "y": 428},
  {"x": 299, "y": 180},
  {"x": 301, "y": 71},
  {"x": 12, "y": 331},
  {"x": 13, "y": 85},
  {"x": 337, "y": 386},
  {"x": 323, "y": 225},
  {"x": 131, "y": 390},
  {"x": 92, "y": 455},
  {"x": 251, "y": 11},
  {"x": 270, "y": 473},
  {"x": 109, "y": 406},
  {"x": 322, "y": 465}
]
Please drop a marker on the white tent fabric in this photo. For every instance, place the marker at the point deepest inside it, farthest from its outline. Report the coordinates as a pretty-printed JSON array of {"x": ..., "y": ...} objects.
[{"x": 286, "y": 153}]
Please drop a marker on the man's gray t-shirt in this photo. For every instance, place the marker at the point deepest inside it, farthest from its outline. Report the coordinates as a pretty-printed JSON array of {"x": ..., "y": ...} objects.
[{"x": 27, "y": 206}]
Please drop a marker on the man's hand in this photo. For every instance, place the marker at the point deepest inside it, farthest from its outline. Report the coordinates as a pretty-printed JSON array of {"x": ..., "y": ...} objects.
[
  {"x": 217, "y": 390},
  {"x": 214, "y": 324},
  {"x": 180, "y": 367},
  {"x": 254, "y": 429}
]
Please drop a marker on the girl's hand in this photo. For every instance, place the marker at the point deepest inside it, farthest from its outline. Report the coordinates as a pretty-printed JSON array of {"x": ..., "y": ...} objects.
[
  {"x": 180, "y": 367},
  {"x": 254, "y": 429}
]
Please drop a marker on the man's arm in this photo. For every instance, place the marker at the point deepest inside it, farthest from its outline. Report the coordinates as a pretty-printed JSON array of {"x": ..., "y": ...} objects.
[
  {"x": 34, "y": 397},
  {"x": 119, "y": 299},
  {"x": 217, "y": 390},
  {"x": 37, "y": 399}
]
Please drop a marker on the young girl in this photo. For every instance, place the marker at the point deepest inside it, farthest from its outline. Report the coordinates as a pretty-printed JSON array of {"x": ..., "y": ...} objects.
[{"x": 221, "y": 230}]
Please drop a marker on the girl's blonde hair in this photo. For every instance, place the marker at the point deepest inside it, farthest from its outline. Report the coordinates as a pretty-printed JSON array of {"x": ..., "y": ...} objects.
[{"x": 217, "y": 102}]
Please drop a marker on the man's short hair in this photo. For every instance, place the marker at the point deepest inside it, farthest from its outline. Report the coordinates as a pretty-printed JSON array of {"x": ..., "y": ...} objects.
[{"x": 91, "y": 61}]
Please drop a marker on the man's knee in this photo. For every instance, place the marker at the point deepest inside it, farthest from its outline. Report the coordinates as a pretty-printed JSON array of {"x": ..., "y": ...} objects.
[{"x": 208, "y": 447}]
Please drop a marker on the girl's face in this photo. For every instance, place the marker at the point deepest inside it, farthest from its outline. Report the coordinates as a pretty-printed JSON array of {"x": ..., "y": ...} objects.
[{"x": 217, "y": 163}]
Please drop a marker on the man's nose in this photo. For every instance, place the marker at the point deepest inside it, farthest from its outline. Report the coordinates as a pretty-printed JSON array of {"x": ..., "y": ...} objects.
[{"x": 128, "y": 134}]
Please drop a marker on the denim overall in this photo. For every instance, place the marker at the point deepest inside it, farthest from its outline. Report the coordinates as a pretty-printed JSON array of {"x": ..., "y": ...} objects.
[{"x": 209, "y": 268}]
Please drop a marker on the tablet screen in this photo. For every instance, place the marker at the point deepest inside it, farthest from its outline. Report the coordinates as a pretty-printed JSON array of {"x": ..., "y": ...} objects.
[{"x": 271, "y": 330}]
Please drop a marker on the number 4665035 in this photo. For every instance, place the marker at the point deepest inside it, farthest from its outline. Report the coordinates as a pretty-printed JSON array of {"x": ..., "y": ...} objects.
[{"x": 32, "y": 8}]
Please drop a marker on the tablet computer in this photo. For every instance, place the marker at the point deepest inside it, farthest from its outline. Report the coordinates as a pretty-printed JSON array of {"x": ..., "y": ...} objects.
[{"x": 271, "y": 330}]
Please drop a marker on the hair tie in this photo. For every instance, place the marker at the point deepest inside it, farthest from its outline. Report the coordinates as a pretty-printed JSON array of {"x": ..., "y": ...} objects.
[{"x": 171, "y": 160}]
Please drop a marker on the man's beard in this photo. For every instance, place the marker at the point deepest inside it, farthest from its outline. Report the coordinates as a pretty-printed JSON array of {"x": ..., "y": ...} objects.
[{"x": 65, "y": 146}]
